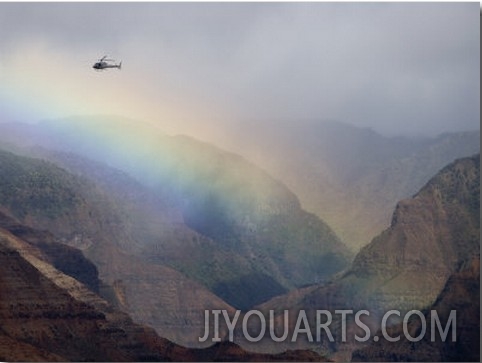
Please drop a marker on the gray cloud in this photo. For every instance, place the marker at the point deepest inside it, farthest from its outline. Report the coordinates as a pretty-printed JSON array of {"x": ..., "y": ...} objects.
[{"x": 411, "y": 68}]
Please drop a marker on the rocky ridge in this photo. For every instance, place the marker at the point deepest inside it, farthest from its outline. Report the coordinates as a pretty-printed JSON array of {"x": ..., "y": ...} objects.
[
  {"x": 217, "y": 206},
  {"x": 85, "y": 217},
  {"x": 47, "y": 315},
  {"x": 461, "y": 294},
  {"x": 404, "y": 268},
  {"x": 350, "y": 177}
]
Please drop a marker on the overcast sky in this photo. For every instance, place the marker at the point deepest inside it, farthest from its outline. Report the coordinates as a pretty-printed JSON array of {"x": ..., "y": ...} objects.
[{"x": 398, "y": 68}]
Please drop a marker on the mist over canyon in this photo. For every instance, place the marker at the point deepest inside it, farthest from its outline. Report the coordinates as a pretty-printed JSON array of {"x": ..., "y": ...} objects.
[
  {"x": 276, "y": 177},
  {"x": 175, "y": 226}
]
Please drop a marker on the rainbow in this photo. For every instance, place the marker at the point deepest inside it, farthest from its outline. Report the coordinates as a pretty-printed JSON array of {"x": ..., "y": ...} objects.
[
  {"x": 190, "y": 165},
  {"x": 48, "y": 84}
]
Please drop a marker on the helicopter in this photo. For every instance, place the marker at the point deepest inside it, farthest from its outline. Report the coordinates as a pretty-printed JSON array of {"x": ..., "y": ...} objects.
[{"x": 103, "y": 63}]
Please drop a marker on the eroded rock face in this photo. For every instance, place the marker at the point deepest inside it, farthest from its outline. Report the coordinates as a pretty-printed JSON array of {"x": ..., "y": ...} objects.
[
  {"x": 55, "y": 317},
  {"x": 84, "y": 216},
  {"x": 67, "y": 259},
  {"x": 46, "y": 315},
  {"x": 351, "y": 177},
  {"x": 212, "y": 231},
  {"x": 430, "y": 235},
  {"x": 407, "y": 266},
  {"x": 461, "y": 294}
]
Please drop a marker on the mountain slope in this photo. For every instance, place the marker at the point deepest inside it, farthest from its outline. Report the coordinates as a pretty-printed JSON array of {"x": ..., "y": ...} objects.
[
  {"x": 405, "y": 267},
  {"x": 431, "y": 233},
  {"x": 202, "y": 219},
  {"x": 462, "y": 294},
  {"x": 55, "y": 317},
  {"x": 247, "y": 224},
  {"x": 47, "y": 315},
  {"x": 89, "y": 219},
  {"x": 64, "y": 258},
  {"x": 350, "y": 177}
]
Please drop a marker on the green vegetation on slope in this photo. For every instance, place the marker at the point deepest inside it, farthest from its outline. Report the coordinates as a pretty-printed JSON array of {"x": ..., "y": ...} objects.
[
  {"x": 33, "y": 187},
  {"x": 241, "y": 211}
]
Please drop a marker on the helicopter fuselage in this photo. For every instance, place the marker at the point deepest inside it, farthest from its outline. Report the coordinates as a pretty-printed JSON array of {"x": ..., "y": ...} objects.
[{"x": 103, "y": 65}]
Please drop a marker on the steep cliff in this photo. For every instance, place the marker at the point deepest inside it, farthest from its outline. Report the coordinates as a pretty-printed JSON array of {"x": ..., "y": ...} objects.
[
  {"x": 81, "y": 214},
  {"x": 46, "y": 315},
  {"x": 349, "y": 176},
  {"x": 461, "y": 294},
  {"x": 404, "y": 268},
  {"x": 430, "y": 235}
]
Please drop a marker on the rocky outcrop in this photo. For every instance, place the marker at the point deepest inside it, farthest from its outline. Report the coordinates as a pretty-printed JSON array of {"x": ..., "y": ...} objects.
[
  {"x": 460, "y": 294},
  {"x": 51, "y": 316},
  {"x": 350, "y": 177},
  {"x": 66, "y": 259},
  {"x": 168, "y": 303},
  {"x": 430, "y": 235},
  {"x": 46, "y": 315},
  {"x": 404, "y": 268}
]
